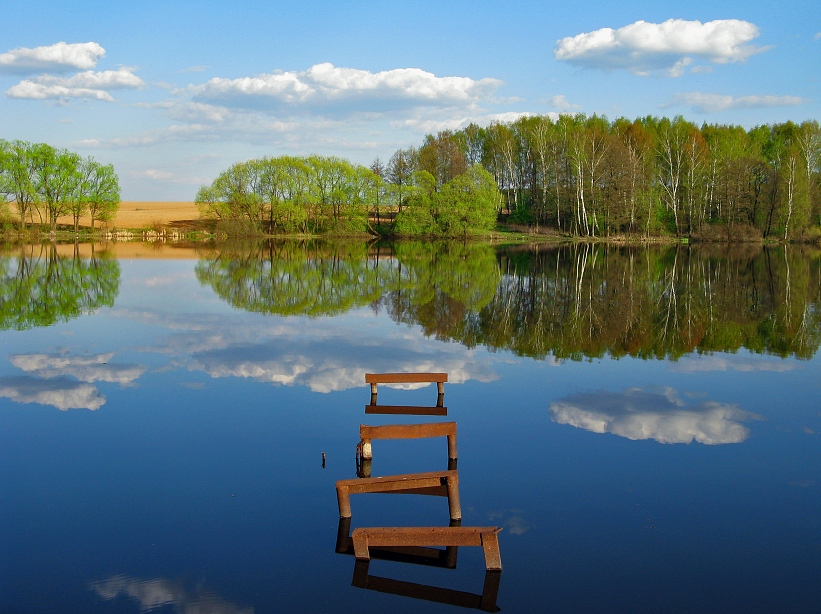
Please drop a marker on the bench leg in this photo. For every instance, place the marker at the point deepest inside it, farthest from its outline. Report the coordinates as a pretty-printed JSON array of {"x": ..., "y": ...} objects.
[
  {"x": 373, "y": 389},
  {"x": 360, "y": 574},
  {"x": 490, "y": 545},
  {"x": 490, "y": 591},
  {"x": 440, "y": 386},
  {"x": 343, "y": 535},
  {"x": 454, "y": 505},
  {"x": 343, "y": 498},
  {"x": 452, "y": 453},
  {"x": 360, "y": 548}
]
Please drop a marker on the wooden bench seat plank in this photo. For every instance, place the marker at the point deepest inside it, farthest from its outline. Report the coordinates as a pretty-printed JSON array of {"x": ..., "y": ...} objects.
[
  {"x": 405, "y": 378},
  {"x": 406, "y": 410}
]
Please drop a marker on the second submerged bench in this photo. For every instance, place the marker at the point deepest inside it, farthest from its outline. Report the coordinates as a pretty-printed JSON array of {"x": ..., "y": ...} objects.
[
  {"x": 407, "y": 431},
  {"x": 406, "y": 378},
  {"x": 436, "y": 483}
]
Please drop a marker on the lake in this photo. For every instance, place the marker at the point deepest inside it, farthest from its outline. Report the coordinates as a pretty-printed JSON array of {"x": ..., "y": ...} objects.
[{"x": 643, "y": 423}]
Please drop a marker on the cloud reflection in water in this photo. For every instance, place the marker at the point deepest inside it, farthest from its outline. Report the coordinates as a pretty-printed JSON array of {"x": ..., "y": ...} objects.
[
  {"x": 640, "y": 414},
  {"x": 62, "y": 393},
  {"x": 89, "y": 369},
  {"x": 158, "y": 592}
]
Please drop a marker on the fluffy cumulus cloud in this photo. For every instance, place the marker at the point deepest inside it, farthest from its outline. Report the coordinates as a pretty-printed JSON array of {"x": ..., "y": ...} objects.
[
  {"x": 61, "y": 393},
  {"x": 60, "y": 57},
  {"x": 325, "y": 108},
  {"x": 714, "y": 103},
  {"x": 663, "y": 416},
  {"x": 97, "y": 368},
  {"x": 643, "y": 47},
  {"x": 325, "y": 84},
  {"x": 87, "y": 84}
]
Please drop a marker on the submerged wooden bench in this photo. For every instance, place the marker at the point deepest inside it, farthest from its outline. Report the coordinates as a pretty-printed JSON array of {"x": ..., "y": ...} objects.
[
  {"x": 406, "y": 378},
  {"x": 435, "y": 483},
  {"x": 486, "y": 537},
  {"x": 407, "y": 431},
  {"x": 414, "y": 555}
]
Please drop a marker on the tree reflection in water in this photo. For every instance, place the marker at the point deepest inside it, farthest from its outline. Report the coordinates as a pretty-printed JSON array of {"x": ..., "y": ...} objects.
[
  {"x": 38, "y": 287},
  {"x": 572, "y": 301}
]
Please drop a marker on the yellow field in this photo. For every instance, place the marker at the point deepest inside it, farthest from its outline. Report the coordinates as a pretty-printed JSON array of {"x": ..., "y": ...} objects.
[{"x": 134, "y": 214}]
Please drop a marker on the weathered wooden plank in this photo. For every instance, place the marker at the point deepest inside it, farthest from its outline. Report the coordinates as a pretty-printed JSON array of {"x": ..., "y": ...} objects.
[
  {"x": 404, "y": 378},
  {"x": 408, "y": 410}
]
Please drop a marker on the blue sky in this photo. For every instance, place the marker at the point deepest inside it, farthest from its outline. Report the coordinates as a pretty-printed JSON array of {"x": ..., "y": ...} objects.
[{"x": 173, "y": 92}]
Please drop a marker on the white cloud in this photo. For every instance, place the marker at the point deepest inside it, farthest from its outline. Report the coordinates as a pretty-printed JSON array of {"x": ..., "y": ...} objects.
[
  {"x": 166, "y": 177},
  {"x": 638, "y": 414},
  {"x": 325, "y": 84},
  {"x": 206, "y": 122},
  {"x": 714, "y": 103},
  {"x": 561, "y": 103},
  {"x": 202, "y": 68},
  {"x": 643, "y": 47},
  {"x": 426, "y": 122},
  {"x": 88, "y": 84},
  {"x": 695, "y": 364},
  {"x": 61, "y": 393},
  {"x": 89, "y": 369},
  {"x": 60, "y": 57}
]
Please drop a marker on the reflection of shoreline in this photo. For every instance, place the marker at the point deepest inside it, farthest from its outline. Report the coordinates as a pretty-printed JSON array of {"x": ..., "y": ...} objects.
[
  {"x": 40, "y": 288},
  {"x": 158, "y": 592},
  {"x": 638, "y": 414},
  {"x": 566, "y": 302}
]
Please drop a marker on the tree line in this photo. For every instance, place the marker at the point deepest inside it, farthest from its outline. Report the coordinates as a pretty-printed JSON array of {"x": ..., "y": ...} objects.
[
  {"x": 41, "y": 180},
  {"x": 592, "y": 177},
  {"x": 577, "y": 174},
  {"x": 316, "y": 194}
]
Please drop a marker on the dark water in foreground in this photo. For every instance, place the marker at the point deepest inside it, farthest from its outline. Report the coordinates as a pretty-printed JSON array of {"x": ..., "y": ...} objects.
[{"x": 644, "y": 423}]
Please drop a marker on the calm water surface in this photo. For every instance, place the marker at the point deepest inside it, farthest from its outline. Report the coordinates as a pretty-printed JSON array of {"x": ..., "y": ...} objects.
[{"x": 644, "y": 423}]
